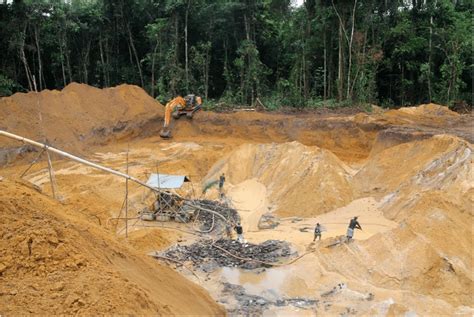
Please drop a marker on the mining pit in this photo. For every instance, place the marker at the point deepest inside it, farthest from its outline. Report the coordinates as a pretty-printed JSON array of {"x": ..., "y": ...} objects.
[{"x": 406, "y": 174}]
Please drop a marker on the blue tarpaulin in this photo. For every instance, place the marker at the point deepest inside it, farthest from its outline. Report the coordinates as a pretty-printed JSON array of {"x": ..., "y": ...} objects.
[{"x": 166, "y": 181}]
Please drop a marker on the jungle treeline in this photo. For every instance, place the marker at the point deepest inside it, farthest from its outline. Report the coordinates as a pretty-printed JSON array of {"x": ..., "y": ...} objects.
[{"x": 320, "y": 53}]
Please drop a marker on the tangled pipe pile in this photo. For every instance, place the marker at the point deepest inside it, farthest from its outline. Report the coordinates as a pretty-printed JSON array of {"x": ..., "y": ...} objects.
[
  {"x": 208, "y": 220},
  {"x": 250, "y": 256}
]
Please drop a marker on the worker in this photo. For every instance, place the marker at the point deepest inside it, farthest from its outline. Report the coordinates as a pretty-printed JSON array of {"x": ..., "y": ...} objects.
[
  {"x": 353, "y": 224},
  {"x": 240, "y": 232},
  {"x": 317, "y": 232},
  {"x": 221, "y": 184}
]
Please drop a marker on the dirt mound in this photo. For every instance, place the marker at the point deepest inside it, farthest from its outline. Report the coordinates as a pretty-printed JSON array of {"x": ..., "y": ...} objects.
[
  {"x": 427, "y": 187},
  {"x": 146, "y": 240},
  {"x": 426, "y": 114},
  {"x": 429, "y": 109},
  {"x": 77, "y": 116},
  {"x": 420, "y": 165},
  {"x": 55, "y": 263},
  {"x": 429, "y": 253},
  {"x": 300, "y": 180}
]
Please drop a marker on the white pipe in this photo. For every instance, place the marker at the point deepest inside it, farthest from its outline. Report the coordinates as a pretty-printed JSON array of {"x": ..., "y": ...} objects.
[
  {"x": 75, "y": 158},
  {"x": 99, "y": 167}
]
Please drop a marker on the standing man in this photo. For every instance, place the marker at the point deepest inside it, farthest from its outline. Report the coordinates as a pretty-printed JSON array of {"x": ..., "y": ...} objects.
[
  {"x": 317, "y": 232},
  {"x": 240, "y": 232},
  {"x": 354, "y": 224},
  {"x": 221, "y": 185}
]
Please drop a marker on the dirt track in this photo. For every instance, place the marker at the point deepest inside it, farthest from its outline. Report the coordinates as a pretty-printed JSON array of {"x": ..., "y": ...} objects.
[{"x": 406, "y": 173}]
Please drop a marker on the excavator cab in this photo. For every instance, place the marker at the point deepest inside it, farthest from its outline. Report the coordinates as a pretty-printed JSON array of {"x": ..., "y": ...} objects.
[{"x": 193, "y": 104}]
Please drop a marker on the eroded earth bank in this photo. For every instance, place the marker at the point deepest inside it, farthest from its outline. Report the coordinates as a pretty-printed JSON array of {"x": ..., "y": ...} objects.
[{"x": 407, "y": 175}]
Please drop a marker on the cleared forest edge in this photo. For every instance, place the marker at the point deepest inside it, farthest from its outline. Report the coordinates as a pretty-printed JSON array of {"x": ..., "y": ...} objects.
[{"x": 80, "y": 116}]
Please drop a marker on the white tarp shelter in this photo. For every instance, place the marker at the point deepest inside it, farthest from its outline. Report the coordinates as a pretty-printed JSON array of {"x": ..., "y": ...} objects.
[{"x": 165, "y": 181}]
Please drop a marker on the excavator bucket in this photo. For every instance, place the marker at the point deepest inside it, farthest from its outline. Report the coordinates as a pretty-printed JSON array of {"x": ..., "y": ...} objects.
[{"x": 165, "y": 133}]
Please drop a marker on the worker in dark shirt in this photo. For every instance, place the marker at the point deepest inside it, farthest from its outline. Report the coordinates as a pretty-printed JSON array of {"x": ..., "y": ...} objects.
[
  {"x": 240, "y": 232},
  {"x": 317, "y": 232},
  {"x": 354, "y": 224},
  {"x": 221, "y": 185},
  {"x": 221, "y": 182}
]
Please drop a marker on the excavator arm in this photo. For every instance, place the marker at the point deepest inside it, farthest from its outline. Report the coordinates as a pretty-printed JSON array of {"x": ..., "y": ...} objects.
[{"x": 170, "y": 107}]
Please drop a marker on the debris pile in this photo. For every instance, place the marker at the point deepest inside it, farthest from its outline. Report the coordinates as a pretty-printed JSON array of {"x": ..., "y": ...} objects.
[
  {"x": 211, "y": 222},
  {"x": 268, "y": 221},
  {"x": 253, "y": 305},
  {"x": 209, "y": 254}
]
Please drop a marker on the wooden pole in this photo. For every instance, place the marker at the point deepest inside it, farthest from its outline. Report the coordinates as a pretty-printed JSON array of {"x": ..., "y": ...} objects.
[
  {"x": 51, "y": 175},
  {"x": 40, "y": 117},
  {"x": 32, "y": 163},
  {"x": 126, "y": 198}
]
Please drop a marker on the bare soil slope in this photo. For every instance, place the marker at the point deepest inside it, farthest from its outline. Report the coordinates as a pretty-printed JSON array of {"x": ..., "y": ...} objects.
[
  {"x": 301, "y": 180},
  {"x": 409, "y": 171},
  {"x": 427, "y": 187},
  {"x": 53, "y": 262},
  {"x": 79, "y": 115}
]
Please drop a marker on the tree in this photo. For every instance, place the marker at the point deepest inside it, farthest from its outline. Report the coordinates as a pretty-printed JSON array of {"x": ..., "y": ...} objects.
[{"x": 391, "y": 52}]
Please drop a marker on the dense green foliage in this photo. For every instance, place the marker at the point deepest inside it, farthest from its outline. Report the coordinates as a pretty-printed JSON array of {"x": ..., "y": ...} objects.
[{"x": 324, "y": 52}]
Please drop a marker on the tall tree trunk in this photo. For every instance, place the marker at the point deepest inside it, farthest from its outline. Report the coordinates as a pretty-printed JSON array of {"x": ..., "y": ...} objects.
[
  {"x": 130, "y": 37},
  {"x": 330, "y": 74},
  {"x": 349, "y": 68},
  {"x": 153, "y": 58},
  {"x": 402, "y": 84},
  {"x": 68, "y": 64},
  {"x": 66, "y": 53},
  {"x": 102, "y": 60},
  {"x": 85, "y": 62},
  {"x": 226, "y": 69},
  {"x": 40, "y": 64},
  {"x": 186, "y": 65},
  {"x": 107, "y": 60},
  {"x": 206, "y": 71},
  {"x": 430, "y": 55},
  {"x": 28, "y": 74},
  {"x": 61, "y": 53},
  {"x": 340, "y": 74},
  {"x": 310, "y": 6},
  {"x": 325, "y": 69},
  {"x": 304, "y": 69},
  {"x": 245, "y": 81}
]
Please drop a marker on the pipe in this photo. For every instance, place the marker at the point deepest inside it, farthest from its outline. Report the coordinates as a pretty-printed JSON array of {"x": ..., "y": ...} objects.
[
  {"x": 102, "y": 168},
  {"x": 75, "y": 158}
]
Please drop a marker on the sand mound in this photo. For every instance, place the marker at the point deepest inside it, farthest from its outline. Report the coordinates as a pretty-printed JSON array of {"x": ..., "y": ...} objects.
[
  {"x": 300, "y": 180},
  {"x": 78, "y": 116},
  {"x": 423, "y": 164},
  {"x": 427, "y": 114},
  {"x": 429, "y": 109},
  {"x": 146, "y": 240},
  {"x": 429, "y": 253},
  {"x": 54, "y": 263},
  {"x": 427, "y": 187}
]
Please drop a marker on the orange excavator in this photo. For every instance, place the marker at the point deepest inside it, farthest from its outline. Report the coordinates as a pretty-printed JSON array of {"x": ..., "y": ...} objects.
[{"x": 177, "y": 107}]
